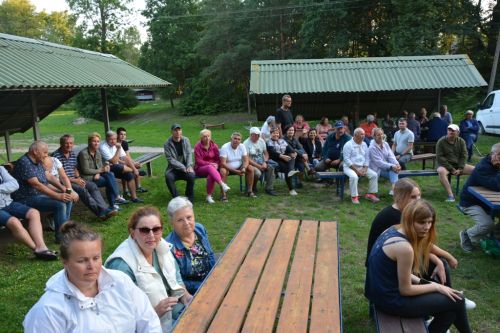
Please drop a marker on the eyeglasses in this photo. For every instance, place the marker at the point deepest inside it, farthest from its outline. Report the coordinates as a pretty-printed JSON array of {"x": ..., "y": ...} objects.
[{"x": 146, "y": 231}]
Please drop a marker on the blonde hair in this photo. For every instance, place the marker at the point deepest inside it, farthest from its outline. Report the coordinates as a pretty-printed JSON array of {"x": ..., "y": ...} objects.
[
  {"x": 415, "y": 211},
  {"x": 205, "y": 131},
  {"x": 92, "y": 136}
]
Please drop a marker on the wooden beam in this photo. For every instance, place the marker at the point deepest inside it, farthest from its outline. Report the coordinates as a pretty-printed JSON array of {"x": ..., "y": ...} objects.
[
  {"x": 105, "y": 113},
  {"x": 8, "y": 146},
  {"x": 35, "y": 119}
]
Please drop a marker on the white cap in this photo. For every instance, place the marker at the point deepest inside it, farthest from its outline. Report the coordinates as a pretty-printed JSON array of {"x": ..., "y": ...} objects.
[
  {"x": 255, "y": 130},
  {"x": 454, "y": 128}
]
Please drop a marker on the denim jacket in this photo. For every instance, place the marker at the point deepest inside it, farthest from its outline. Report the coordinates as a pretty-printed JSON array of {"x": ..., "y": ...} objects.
[{"x": 183, "y": 255}]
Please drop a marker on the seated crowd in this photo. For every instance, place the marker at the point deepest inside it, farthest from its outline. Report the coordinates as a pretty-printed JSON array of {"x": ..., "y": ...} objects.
[{"x": 159, "y": 276}]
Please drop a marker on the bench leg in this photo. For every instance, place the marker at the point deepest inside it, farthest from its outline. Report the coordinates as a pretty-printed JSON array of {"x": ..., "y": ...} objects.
[{"x": 149, "y": 169}]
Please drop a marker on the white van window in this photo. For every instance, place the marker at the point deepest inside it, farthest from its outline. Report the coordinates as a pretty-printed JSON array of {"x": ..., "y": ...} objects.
[{"x": 489, "y": 101}]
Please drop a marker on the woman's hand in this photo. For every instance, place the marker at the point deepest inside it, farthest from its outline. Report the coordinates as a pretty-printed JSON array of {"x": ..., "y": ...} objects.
[
  {"x": 186, "y": 298},
  {"x": 165, "y": 305},
  {"x": 440, "y": 272},
  {"x": 453, "y": 262},
  {"x": 453, "y": 294}
]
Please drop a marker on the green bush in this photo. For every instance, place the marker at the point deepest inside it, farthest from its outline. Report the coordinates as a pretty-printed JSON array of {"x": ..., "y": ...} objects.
[{"x": 88, "y": 102}]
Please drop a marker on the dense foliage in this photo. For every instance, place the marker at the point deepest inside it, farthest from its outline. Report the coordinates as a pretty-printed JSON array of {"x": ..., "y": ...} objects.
[
  {"x": 88, "y": 102},
  {"x": 204, "y": 47}
]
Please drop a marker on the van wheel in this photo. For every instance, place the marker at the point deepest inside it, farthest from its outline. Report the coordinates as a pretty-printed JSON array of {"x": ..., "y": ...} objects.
[{"x": 481, "y": 129}]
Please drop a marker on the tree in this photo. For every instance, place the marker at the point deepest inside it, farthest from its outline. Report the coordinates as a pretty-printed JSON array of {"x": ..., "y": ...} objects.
[
  {"x": 88, "y": 102},
  {"x": 18, "y": 17},
  {"x": 102, "y": 18}
]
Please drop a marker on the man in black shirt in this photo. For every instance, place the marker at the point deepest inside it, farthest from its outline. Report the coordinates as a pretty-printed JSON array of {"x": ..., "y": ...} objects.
[
  {"x": 284, "y": 116},
  {"x": 180, "y": 162}
]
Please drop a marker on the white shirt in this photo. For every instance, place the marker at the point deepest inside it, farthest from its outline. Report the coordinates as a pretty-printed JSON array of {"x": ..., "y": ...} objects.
[
  {"x": 255, "y": 150},
  {"x": 56, "y": 165},
  {"x": 119, "y": 307},
  {"x": 355, "y": 154},
  {"x": 108, "y": 152},
  {"x": 234, "y": 156}
]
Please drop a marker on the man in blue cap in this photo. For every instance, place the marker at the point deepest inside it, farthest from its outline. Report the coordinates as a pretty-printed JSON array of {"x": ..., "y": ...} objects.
[{"x": 332, "y": 149}]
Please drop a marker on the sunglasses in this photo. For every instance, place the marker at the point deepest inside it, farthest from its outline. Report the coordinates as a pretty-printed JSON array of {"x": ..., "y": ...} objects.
[{"x": 146, "y": 231}]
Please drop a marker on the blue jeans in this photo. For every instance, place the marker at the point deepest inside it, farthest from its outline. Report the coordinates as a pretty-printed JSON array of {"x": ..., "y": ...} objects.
[
  {"x": 107, "y": 179},
  {"x": 391, "y": 175},
  {"x": 60, "y": 209}
]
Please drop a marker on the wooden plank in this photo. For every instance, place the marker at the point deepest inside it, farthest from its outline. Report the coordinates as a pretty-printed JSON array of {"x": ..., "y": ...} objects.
[
  {"x": 199, "y": 314},
  {"x": 295, "y": 309},
  {"x": 395, "y": 324},
  {"x": 229, "y": 317},
  {"x": 325, "y": 310},
  {"x": 262, "y": 313}
]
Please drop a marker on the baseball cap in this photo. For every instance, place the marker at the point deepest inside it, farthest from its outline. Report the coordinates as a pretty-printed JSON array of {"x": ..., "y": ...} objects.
[
  {"x": 174, "y": 126},
  {"x": 254, "y": 130},
  {"x": 454, "y": 127},
  {"x": 339, "y": 124}
]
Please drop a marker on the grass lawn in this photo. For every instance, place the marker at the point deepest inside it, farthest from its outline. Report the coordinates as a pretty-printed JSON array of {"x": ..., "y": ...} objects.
[{"x": 22, "y": 278}]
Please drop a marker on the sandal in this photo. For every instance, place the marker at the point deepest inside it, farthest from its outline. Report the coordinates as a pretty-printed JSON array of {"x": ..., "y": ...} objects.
[
  {"x": 46, "y": 255},
  {"x": 224, "y": 199}
]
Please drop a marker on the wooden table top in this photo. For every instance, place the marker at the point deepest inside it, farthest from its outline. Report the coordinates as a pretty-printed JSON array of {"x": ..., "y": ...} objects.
[
  {"x": 275, "y": 276},
  {"x": 490, "y": 197}
]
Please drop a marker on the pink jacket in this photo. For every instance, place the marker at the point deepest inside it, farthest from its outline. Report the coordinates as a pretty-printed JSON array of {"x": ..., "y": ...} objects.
[{"x": 203, "y": 156}]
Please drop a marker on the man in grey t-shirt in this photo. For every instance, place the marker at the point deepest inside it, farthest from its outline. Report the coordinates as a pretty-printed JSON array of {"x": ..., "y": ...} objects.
[
  {"x": 402, "y": 145},
  {"x": 259, "y": 160}
]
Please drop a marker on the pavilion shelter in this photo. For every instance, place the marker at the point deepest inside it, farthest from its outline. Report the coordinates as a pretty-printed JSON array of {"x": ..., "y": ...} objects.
[
  {"x": 36, "y": 77},
  {"x": 359, "y": 86}
]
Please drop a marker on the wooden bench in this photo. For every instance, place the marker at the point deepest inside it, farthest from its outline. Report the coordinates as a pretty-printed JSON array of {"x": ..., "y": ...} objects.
[
  {"x": 422, "y": 173},
  {"x": 422, "y": 147},
  {"x": 394, "y": 324},
  {"x": 147, "y": 159},
  {"x": 488, "y": 197},
  {"x": 425, "y": 157},
  {"x": 208, "y": 126},
  {"x": 275, "y": 276},
  {"x": 339, "y": 178}
]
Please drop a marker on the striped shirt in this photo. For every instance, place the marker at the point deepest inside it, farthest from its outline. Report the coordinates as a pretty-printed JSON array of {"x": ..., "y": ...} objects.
[{"x": 69, "y": 163}]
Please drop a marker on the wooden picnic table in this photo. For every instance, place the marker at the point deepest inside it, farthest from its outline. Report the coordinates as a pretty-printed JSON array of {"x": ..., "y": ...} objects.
[
  {"x": 275, "y": 276},
  {"x": 489, "y": 197}
]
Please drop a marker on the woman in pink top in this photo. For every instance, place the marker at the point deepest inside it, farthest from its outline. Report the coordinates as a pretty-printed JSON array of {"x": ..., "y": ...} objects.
[
  {"x": 323, "y": 128},
  {"x": 301, "y": 127},
  {"x": 206, "y": 163}
]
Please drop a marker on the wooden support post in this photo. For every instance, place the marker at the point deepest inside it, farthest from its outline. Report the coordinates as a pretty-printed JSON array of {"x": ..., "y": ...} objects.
[
  {"x": 35, "y": 119},
  {"x": 439, "y": 100},
  {"x": 105, "y": 114},
  {"x": 8, "y": 146}
]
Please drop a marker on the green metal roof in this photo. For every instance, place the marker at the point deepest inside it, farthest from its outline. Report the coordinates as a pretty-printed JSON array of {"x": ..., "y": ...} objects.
[
  {"x": 363, "y": 74},
  {"x": 33, "y": 64}
]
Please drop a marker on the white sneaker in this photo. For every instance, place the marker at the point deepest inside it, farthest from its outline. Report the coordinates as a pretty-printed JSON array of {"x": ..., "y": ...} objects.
[
  {"x": 292, "y": 173},
  {"x": 210, "y": 200},
  {"x": 224, "y": 187},
  {"x": 469, "y": 305},
  {"x": 293, "y": 193}
]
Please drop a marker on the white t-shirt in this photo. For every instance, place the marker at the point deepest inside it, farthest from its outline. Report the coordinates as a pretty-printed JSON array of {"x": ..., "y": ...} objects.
[
  {"x": 234, "y": 157},
  {"x": 255, "y": 149},
  {"x": 108, "y": 152},
  {"x": 56, "y": 165}
]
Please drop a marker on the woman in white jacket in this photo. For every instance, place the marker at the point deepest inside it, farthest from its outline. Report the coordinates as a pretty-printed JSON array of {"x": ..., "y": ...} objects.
[
  {"x": 85, "y": 297},
  {"x": 146, "y": 258}
]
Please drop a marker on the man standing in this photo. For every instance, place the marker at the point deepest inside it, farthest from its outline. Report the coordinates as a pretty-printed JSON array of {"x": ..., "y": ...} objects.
[
  {"x": 180, "y": 162},
  {"x": 234, "y": 161},
  {"x": 332, "y": 149},
  {"x": 451, "y": 154},
  {"x": 284, "y": 116},
  {"x": 356, "y": 160},
  {"x": 445, "y": 115},
  {"x": 469, "y": 128},
  {"x": 402, "y": 146},
  {"x": 112, "y": 151},
  {"x": 34, "y": 189},
  {"x": 414, "y": 126},
  {"x": 87, "y": 191},
  {"x": 259, "y": 160},
  {"x": 487, "y": 174}
]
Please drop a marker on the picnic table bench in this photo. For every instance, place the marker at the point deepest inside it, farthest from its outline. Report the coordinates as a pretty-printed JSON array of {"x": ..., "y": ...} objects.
[
  {"x": 425, "y": 157},
  {"x": 147, "y": 159},
  {"x": 489, "y": 197},
  {"x": 208, "y": 126},
  {"x": 271, "y": 280},
  {"x": 395, "y": 324}
]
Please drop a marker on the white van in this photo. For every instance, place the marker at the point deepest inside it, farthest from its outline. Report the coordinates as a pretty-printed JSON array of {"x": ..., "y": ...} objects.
[{"x": 488, "y": 114}]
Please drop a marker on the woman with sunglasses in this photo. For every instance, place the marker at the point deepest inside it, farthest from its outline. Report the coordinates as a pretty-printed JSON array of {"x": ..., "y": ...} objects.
[
  {"x": 190, "y": 245},
  {"x": 86, "y": 297},
  {"x": 146, "y": 258},
  {"x": 397, "y": 264}
]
